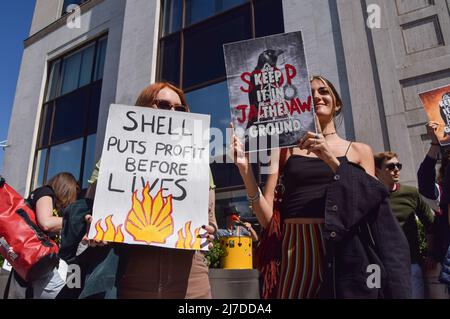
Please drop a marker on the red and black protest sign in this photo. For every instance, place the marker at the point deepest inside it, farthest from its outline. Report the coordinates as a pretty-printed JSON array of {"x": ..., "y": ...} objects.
[{"x": 269, "y": 89}]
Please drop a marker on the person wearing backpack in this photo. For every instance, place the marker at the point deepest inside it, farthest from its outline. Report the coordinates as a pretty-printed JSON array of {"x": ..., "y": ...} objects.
[{"x": 48, "y": 202}]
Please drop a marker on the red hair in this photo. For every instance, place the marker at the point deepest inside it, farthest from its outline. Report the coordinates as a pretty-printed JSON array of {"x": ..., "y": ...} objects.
[{"x": 148, "y": 95}]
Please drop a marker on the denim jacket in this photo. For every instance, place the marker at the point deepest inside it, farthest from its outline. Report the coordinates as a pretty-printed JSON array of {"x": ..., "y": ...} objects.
[{"x": 367, "y": 252}]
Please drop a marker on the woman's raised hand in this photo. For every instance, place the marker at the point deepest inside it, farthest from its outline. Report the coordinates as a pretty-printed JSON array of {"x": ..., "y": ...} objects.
[
  {"x": 316, "y": 143},
  {"x": 432, "y": 128},
  {"x": 237, "y": 153}
]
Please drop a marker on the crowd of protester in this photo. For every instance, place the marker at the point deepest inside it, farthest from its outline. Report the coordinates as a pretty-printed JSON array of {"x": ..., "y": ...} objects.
[{"x": 341, "y": 209}]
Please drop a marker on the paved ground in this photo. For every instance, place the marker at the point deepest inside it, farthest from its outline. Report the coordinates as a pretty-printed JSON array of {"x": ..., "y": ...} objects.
[{"x": 3, "y": 279}]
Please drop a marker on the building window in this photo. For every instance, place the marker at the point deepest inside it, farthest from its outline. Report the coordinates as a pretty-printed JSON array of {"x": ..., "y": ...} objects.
[
  {"x": 69, "y": 117},
  {"x": 191, "y": 56}
]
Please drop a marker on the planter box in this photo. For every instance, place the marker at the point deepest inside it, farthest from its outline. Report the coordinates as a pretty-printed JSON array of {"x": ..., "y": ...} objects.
[{"x": 234, "y": 283}]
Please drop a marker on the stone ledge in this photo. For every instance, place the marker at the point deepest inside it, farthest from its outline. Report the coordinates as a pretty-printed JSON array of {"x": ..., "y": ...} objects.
[{"x": 234, "y": 283}]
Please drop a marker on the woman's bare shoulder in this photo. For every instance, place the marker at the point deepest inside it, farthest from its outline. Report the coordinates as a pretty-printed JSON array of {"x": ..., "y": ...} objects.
[
  {"x": 362, "y": 154},
  {"x": 362, "y": 149}
]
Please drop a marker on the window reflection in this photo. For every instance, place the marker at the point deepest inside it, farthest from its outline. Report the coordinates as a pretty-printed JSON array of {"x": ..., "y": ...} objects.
[
  {"x": 199, "y": 45},
  {"x": 197, "y": 10},
  {"x": 173, "y": 10},
  {"x": 212, "y": 100},
  {"x": 89, "y": 159},
  {"x": 40, "y": 164},
  {"x": 47, "y": 118},
  {"x": 53, "y": 80},
  {"x": 77, "y": 69},
  {"x": 86, "y": 66},
  {"x": 265, "y": 11},
  {"x": 207, "y": 63},
  {"x": 226, "y": 174},
  {"x": 170, "y": 59},
  {"x": 69, "y": 116},
  {"x": 71, "y": 73},
  {"x": 69, "y": 120},
  {"x": 101, "y": 54},
  {"x": 94, "y": 105},
  {"x": 65, "y": 158}
]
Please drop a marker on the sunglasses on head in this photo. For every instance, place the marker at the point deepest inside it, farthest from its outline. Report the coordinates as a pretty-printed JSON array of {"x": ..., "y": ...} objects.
[
  {"x": 392, "y": 166},
  {"x": 166, "y": 105}
]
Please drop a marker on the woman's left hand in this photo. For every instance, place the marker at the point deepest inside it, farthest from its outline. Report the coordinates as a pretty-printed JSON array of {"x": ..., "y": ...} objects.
[
  {"x": 316, "y": 143},
  {"x": 91, "y": 242},
  {"x": 209, "y": 235}
]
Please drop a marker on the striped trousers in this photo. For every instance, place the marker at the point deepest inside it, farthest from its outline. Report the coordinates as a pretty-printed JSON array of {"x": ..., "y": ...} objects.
[{"x": 303, "y": 261}]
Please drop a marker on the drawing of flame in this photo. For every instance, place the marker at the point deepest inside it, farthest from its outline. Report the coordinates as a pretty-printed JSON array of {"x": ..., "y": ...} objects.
[
  {"x": 187, "y": 240},
  {"x": 111, "y": 233},
  {"x": 150, "y": 220}
]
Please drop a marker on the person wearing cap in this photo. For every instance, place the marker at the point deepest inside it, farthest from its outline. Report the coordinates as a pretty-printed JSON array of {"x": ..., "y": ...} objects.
[{"x": 235, "y": 227}]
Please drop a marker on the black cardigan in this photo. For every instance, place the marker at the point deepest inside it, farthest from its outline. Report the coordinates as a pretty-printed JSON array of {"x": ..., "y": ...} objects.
[{"x": 360, "y": 230}]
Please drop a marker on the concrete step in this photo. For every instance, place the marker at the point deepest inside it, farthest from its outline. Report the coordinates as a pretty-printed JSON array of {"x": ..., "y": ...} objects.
[{"x": 3, "y": 280}]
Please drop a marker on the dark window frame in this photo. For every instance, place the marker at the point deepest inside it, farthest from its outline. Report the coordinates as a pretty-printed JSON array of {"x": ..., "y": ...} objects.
[
  {"x": 181, "y": 33},
  {"x": 86, "y": 133},
  {"x": 184, "y": 28}
]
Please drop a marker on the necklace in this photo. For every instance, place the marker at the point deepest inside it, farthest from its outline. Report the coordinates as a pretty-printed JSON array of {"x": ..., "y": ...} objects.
[{"x": 329, "y": 134}]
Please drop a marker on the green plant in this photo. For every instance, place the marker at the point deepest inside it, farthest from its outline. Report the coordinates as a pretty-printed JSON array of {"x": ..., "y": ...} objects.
[
  {"x": 423, "y": 246},
  {"x": 215, "y": 254}
]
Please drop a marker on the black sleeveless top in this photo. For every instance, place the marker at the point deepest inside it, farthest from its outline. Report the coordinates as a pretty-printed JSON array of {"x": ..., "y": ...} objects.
[{"x": 305, "y": 180}]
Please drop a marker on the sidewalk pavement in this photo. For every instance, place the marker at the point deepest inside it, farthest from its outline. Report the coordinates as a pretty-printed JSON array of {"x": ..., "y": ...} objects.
[{"x": 3, "y": 280}]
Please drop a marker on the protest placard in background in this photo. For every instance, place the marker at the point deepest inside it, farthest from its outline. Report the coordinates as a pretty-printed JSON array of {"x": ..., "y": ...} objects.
[
  {"x": 437, "y": 106},
  {"x": 269, "y": 89},
  {"x": 153, "y": 182}
]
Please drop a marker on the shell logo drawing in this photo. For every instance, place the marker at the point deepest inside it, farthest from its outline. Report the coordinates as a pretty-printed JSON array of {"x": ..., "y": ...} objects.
[
  {"x": 187, "y": 240},
  {"x": 111, "y": 233},
  {"x": 150, "y": 220}
]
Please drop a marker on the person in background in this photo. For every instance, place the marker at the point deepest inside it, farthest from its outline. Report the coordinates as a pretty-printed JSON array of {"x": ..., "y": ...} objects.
[
  {"x": 235, "y": 227},
  {"x": 48, "y": 202},
  {"x": 407, "y": 205},
  {"x": 432, "y": 189}
]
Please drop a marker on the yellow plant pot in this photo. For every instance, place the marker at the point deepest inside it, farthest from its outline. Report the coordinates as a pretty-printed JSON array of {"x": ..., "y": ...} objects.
[{"x": 239, "y": 252}]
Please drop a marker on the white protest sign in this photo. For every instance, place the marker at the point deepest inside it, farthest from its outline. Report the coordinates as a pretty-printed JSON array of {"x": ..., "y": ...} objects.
[
  {"x": 153, "y": 183},
  {"x": 6, "y": 265}
]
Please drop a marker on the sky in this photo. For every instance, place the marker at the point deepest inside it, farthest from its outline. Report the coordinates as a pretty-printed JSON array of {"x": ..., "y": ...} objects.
[{"x": 14, "y": 28}]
